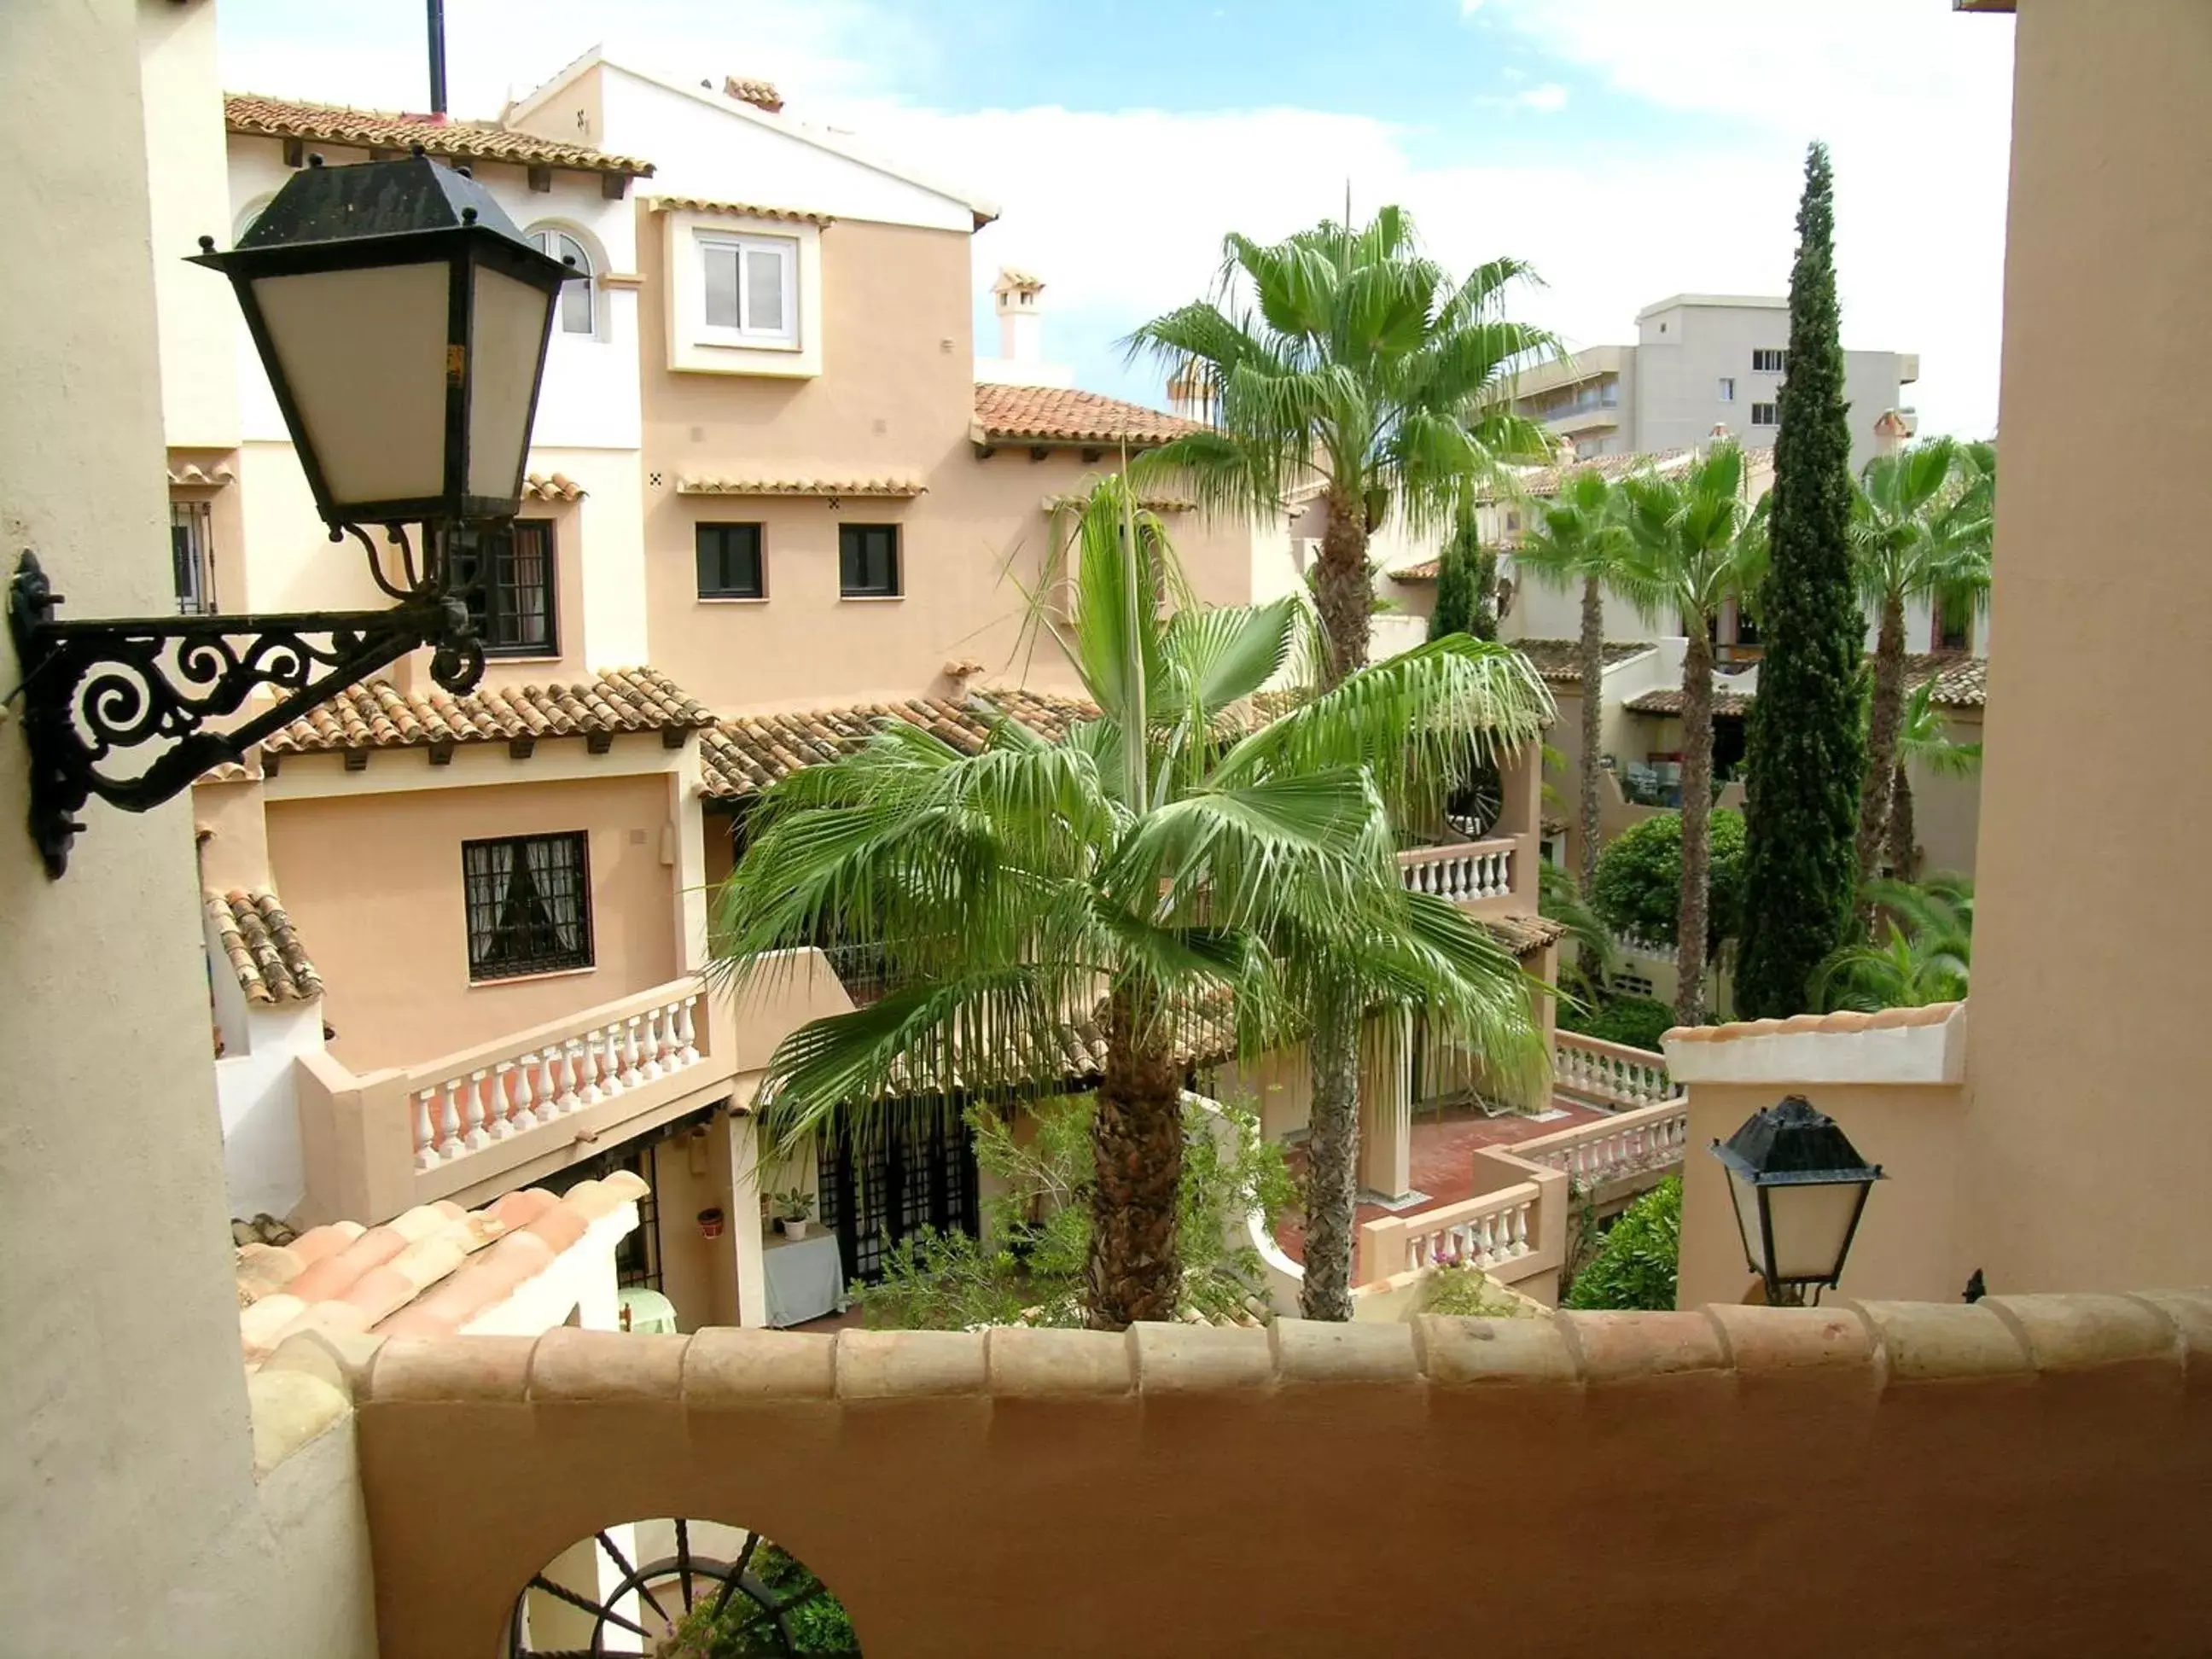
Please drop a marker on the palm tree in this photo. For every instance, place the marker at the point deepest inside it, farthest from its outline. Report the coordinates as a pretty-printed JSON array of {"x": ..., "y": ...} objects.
[
  {"x": 1582, "y": 537},
  {"x": 1921, "y": 522},
  {"x": 1694, "y": 543},
  {"x": 1927, "y": 956},
  {"x": 1922, "y": 740},
  {"x": 1145, "y": 862},
  {"x": 1346, "y": 354}
]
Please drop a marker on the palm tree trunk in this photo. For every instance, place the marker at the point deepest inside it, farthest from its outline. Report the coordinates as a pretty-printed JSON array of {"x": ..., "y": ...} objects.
[
  {"x": 1593, "y": 671},
  {"x": 1883, "y": 719},
  {"x": 1697, "y": 825},
  {"x": 1902, "y": 832},
  {"x": 1332, "y": 1196},
  {"x": 1342, "y": 593},
  {"x": 1136, "y": 1150}
]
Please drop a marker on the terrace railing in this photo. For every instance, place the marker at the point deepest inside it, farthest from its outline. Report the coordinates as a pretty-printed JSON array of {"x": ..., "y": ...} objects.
[{"x": 1601, "y": 1073}]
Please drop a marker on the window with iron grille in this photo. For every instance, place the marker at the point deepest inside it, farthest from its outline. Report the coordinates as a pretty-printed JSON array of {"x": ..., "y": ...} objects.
[
  {"x": 868, "y": 561},
  {"x": 508, "y": 586},
  {"x": 729, "y": 558},
  {"x": 192, "y": 556},
  {"x": 529, "y": 901}
]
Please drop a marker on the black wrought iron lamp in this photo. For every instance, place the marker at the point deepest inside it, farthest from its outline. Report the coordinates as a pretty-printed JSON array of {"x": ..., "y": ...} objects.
[
  {"x": 403, "y": 323},
  {"x": 1800, "y": 1186}
]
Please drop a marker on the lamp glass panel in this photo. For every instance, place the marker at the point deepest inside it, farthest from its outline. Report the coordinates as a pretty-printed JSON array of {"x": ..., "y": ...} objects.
[
  {"x": 1747, "y": 1214},
  {"x": 1810, "y": 1223},
  {"x": 509, "y": 349},
  {"x": 363, "y": 353}
]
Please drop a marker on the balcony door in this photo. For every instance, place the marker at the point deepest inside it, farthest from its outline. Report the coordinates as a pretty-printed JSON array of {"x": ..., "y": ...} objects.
[{"x": 916, "y": 1169}]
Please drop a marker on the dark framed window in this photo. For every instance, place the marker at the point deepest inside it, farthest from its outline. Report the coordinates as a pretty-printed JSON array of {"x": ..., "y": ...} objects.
[
  {"x": 1768, "y": 360},
  {"x": 1766, "y": 415},
  {"x": 529, "y": 900},
  {"x": 915, "y": 1170},
  {"x": 730, "y": 561},
  {"x": 508, "y": 586},
  {"x": 868, "y": 561},
  {"x": 192, "y": 555}
]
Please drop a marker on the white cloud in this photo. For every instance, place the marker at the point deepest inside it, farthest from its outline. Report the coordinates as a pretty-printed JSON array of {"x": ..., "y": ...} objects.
[{"x": 1547, "y": 99}]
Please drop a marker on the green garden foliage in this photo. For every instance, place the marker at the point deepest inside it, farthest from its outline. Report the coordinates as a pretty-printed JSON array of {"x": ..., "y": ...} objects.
[
  {"x": 818, "y": 1625},
  {"x": 1467, "y": 585},
  {"x": 1038, "y": 1222},
  {"x": 1632, "y": 1022},
  {"x": 1639, "y": 879},
  {"x": 1806, "y": 756},
  {"x": 1469, "y": 1293},
  {"x": 1636, "y": 1263}
]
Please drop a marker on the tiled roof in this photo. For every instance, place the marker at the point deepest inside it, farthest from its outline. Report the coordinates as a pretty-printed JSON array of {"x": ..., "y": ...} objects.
[
  {"x": 1525, "y": 935},
  {"x": 743, "y": 755},
  {"x": 1935, "y": 1013},
  {"x": 1544, "y": 480},
  {"x": 433, "y": 1271},
  {"x": 1560, "y": 661},
  {"x": 1014, "y": 280},
  {"x": 892, "y": 486},
  {"x": 761, "y": 94},
  {"x": 737, "y": 210},
  {"x": 1668, "y": 700},
  {"x": 1061, "y": 415},
  {"x": 551, "y": 487},
  {"x": 190, "y": 476},
  {"x": 376, "y": 716},
  {"x": 1150, "y": 503},
  {"x": 264, "y": 947},
  {"x": 1070, "y": 1058},
  {"x": 369, "y": 129}
]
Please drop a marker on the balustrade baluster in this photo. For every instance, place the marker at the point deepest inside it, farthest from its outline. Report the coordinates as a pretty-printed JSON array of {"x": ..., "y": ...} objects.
[
  {"x": 526, "y": 1091},
  {"x": 564, "y": 1073},
  {"x": 687, "y": 1050},
  {"x": 473, "y": 1136},
  {"x": 632, "y": 1074},
  {"x": 496, "y": 1103},
  {"x": 1521, "y": 1230},
  {"x": 449, "y": 1121},
  {"x": 546, "y": 1068},
  {"x": 426, "y": 1147},
  {"x": 646, "y": 1029},
  {"x": 606, "y": 1043}
]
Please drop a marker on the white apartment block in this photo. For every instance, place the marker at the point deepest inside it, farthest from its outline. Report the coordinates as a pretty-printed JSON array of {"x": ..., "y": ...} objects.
[{"x": 1700, "y": 360}]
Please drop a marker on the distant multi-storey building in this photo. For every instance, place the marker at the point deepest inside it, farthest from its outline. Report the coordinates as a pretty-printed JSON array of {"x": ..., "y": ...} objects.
[{"x": 1701, "y": 361}]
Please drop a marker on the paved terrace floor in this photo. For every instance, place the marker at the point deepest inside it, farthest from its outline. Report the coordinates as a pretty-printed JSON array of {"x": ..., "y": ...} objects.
[{"x": 1443, "y": 1159}]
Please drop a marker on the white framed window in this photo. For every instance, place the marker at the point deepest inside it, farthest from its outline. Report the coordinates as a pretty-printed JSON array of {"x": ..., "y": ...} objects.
[
  {"x": 579, "y": 300},
  {"x": 1766, "y": 415},
  {"x": 1768, "y": 360},
  {"x": 751, "y": 288},
  {"x": 1728, "y": 388}
]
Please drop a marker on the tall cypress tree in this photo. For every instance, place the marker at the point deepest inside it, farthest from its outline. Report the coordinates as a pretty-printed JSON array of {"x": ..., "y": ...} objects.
[{"x": 1805, "y": 751}]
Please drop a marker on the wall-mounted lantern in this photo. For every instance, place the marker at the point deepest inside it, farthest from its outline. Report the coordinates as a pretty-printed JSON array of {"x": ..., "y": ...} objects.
[
  {"x": 403, "y": 323},
  {"x": 1800, "y": 1186}
]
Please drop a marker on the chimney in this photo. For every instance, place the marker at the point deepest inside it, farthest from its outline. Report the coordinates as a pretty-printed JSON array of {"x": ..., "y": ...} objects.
[
  {"x": 1021, "y": 321},
  {"x": 1190, "y": 394},
  {"x": 1890, "y": 431}
]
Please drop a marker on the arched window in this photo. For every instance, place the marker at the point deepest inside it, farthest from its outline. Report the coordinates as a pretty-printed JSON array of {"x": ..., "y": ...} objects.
[{"x": 577, "y": 299}]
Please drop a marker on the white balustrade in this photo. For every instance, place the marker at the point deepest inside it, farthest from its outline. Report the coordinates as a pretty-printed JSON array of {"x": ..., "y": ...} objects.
[
  {"x": 1610, "y": 1072},
  {"x": 457, "y": 1111},
  {"x": 1641, "y": 1143},
  {"x": 1463, "y": 873},
  {"x": 1478, "y": 1232}
]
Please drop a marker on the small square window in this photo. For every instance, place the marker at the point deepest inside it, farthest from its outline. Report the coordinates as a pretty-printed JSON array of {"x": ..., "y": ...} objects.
[
  {"x": 868, "y": 561},
  {"x": 507, "y": 583},
  {"x": 751, "y": 283},
  {"x": 729, "y": 558},
  {"x": 1728, "y": 388},
  {"x": 528, "y": 900},
  {"x": 1766, "y": 415}
]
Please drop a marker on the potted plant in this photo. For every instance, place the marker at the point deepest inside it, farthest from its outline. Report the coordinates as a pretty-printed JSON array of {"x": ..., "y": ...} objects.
[
  {"x": 794, "y": 1212},
  {"x": 710, "y": 1221}
]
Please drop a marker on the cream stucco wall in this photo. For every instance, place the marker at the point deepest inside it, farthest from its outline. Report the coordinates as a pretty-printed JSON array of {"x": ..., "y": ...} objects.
[
  {"x": 130, "y": 1518},
  {"x": 372, "y": 881},
  {"x": 2085, "y": 986}
]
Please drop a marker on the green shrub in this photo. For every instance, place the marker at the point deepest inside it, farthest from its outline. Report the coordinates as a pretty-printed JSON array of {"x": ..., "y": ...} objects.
[
  {"x": 1638, "y": 889},
  {"x": 820, "y": 1626},
  {"x": 1635, "y": 1264},
  {"x": 1469, "y": 1293}
]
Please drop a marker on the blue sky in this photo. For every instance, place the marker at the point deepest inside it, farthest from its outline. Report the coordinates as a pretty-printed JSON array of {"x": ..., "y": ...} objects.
[{"x": 1629, "y": 148}]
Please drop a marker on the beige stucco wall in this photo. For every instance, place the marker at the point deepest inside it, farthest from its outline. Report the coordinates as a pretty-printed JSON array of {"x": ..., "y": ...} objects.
[
  {"x": 896, "y": 397},
  {"x": 2086, "y": 983},
  {"x": 374, "y": 883},
  {"x": 1946, "y": 813},
  {"x": 1906, "y": 1479},
  {"x": 130, "y": 1519}
]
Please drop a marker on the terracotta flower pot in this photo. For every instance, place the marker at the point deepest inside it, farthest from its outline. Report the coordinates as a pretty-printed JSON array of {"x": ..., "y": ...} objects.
[{"x": 710, "y": 1223}]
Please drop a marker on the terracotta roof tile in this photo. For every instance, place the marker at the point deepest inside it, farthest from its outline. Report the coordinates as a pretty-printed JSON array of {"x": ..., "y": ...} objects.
[
  {"x": 1935, "y": 1013},
  {"x": 1525, "y": 935},
  {"x": 1061, "y": 415},
  {"x": 1961, "y": 682},
  {"x": 369, "y": 129},
  {"x": 374, "y": 715},
  {"x": 761, "y": 94},
  {"x": 1668, "y": 700},
  {"x": 551, "y": 487},
  {"x": 1559, "y": 661},
  {"x": 738, "y": 210},
  {"x": 262, "y": 947},
  {"x": 1544, "y": 480},
  {"x": 425, "y": 1272},
  {"x": 193, "y": 477},
  {"x": 743, "y": 755},
  {"x": 889, "y": 485}
]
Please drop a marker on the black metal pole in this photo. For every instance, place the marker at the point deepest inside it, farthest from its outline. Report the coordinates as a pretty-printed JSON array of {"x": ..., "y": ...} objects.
[{"x": 437, "y": 56}]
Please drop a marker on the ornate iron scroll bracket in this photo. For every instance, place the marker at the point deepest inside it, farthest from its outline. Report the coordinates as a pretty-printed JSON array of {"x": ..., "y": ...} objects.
[{"x": 99, "y": 692}]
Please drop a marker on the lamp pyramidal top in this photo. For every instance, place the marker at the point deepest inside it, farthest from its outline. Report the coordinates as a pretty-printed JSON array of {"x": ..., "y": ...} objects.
[{"x": 403, "y": 323}]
